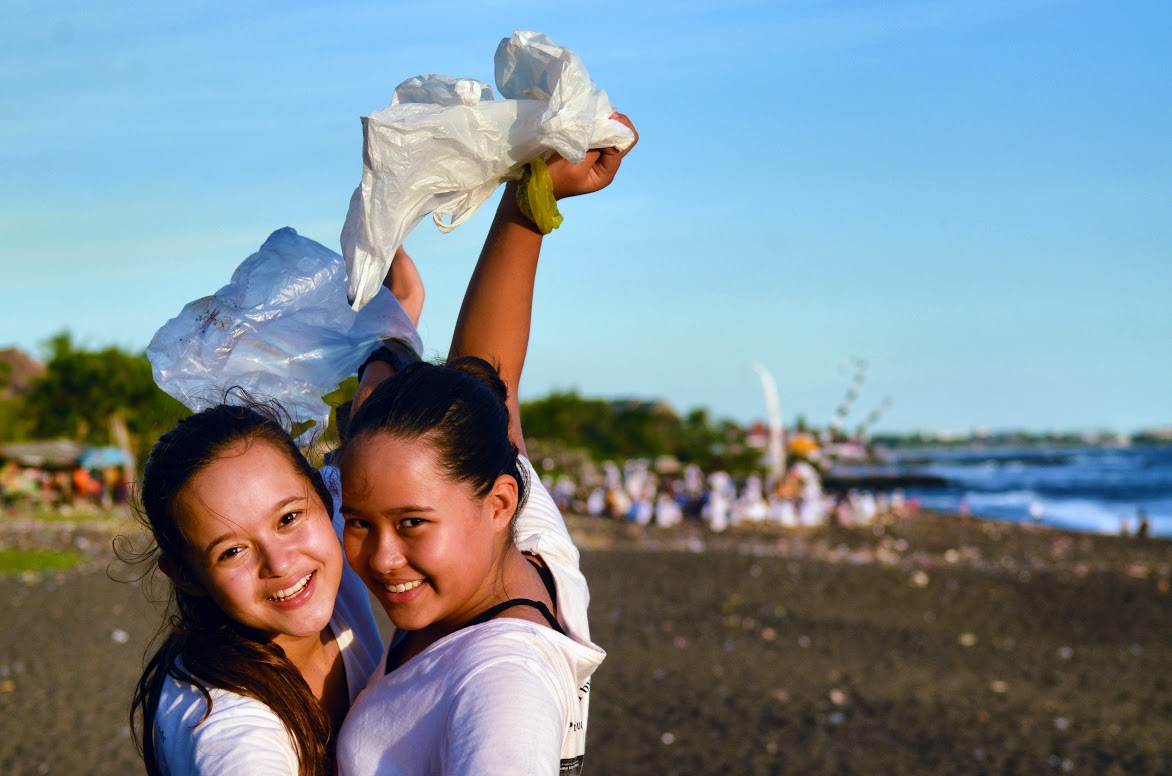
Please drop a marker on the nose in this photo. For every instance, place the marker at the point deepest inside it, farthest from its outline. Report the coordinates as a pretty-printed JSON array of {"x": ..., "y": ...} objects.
[
  {"x": 277, "y": 560},
  {"x": 387, "y": 554}
]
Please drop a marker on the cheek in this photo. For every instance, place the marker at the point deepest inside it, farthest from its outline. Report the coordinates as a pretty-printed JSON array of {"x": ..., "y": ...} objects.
[
  {"x": 430, "y": 553},
  {"x": 231, "y": 589},
  {"x": 466, "y": 552},
  {"x": 329, "y": 550},
  {"x": 354, "y": 546}
]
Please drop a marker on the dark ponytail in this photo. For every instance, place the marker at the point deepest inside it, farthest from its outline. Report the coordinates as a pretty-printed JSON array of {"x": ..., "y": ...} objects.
[
  {"x": 205, "y": 647},
  {"x": 460, "y": 408}
]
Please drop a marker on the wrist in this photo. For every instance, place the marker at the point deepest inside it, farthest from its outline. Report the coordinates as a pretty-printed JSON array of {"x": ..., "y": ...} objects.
[
  {"x": 509, "y": 212},
  {"x": 535, "y": 196}
]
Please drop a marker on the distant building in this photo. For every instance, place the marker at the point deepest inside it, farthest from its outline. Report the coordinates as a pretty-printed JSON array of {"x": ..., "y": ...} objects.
[{"x": 757, "y": 435}]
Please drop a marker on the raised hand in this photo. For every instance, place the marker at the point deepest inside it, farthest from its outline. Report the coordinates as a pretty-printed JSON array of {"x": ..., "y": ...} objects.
[{"x": 594, "y": 173}]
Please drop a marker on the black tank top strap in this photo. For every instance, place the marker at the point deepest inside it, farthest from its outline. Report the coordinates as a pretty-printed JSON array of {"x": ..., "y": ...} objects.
[
  {"x": 493, "y": 611},
  {"x": 547, "y": 577}
]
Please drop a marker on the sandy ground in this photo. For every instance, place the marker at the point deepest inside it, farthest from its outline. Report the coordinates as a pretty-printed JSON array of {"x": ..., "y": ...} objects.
[{"x": 927, "y": 645}]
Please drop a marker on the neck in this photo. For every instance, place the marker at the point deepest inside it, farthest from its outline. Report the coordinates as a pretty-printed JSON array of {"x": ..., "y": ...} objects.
[
  {"x": 306, "y": 653},
  {"x": 319, "y": 659}
]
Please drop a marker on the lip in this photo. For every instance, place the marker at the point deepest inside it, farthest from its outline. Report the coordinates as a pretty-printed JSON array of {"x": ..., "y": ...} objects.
[
  {"x": 299, "y": 599},
  {"x": 398, "y": 599}
]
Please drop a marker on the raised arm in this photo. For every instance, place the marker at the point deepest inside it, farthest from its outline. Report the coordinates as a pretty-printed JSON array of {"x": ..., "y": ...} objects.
[
  {"x": 495, "y": 317},
  {"x": 404, "y": 281}
]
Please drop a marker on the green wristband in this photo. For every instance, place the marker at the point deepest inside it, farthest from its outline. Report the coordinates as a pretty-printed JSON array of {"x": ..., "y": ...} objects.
[{"x": 535, "y": 197}]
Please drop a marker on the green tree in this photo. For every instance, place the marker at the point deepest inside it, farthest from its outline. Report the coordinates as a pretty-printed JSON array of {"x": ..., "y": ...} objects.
[
  {"x": 14, "y": 424},
  {"x": 84, "y": 393},
  {"x": 633, "y": 428}
]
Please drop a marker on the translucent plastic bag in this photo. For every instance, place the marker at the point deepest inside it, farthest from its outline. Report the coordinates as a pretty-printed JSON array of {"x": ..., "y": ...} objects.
[
  {"x": 281, "y": 329},
  {"x": 444, "y": 145}
]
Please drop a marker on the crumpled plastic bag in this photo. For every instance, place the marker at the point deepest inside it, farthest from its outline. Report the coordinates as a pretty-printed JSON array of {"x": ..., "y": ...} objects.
[
  {"x": 281, "y": 329},
  {"x": 444, "y": 145}
]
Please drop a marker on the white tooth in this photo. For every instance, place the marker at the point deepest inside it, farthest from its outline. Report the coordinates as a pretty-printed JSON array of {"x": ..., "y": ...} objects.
[
  {"x": 289, "y": 592},
  {"x": 404, "y": 587}
]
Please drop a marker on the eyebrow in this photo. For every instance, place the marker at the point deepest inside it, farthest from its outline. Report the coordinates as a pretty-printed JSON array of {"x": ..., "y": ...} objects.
[
  {"x": 391, "y": 511},
  {"x": 217, "y": 540},
  {"x": 225, "y": 536}
]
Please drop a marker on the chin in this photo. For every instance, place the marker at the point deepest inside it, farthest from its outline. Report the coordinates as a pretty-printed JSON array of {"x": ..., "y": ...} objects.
[
  {"x": 309, "y": 624},
  {"x": 408, "y": 621}
]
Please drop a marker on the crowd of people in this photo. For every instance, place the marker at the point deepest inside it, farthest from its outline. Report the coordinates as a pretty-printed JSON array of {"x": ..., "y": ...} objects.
[
  {"x": 638, "y": 492},
  {"x": 42, "y": 488}
]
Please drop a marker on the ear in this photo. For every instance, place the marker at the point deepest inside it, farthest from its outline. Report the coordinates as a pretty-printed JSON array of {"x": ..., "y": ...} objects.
[
  {"x": 501, "y": 502},
  {"x": 180, "y": 578}
]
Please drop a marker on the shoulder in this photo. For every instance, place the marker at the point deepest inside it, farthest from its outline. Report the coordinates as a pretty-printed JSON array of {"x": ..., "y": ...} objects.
[
  {"x": 238, "y": 734},
  {"x": 512, "y": 660},
  {"x": 540, "y": 528},
  {"x": 542, "y": 531},
  {"x": 459, "y": 706},
  {"x": 491, "y": 653},
  {"x": 509, "y": 709}
]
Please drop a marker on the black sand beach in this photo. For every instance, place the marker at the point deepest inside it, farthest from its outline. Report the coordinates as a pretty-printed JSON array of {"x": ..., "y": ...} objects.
[{"x": 931, "y": 644}]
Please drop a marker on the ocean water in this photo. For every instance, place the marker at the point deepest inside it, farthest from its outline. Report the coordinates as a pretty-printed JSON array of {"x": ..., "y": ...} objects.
[{"x": 1087, "y": 489}]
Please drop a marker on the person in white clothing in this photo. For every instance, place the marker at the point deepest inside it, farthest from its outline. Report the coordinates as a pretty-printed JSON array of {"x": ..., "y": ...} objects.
[
  {"x": 489, "y": 669},
  {"x": 272, "y": 637},
  {"x": 241, "y": 733},
  {"x": 260, "y": 664}
]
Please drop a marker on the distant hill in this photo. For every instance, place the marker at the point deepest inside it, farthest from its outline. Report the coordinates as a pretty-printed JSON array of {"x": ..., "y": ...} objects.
[{"x": 18, "y": 371}]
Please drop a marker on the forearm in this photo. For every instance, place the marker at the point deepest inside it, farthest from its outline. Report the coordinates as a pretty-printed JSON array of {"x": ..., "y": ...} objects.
[
  {"x": 404, "y": 281},
  {"x": 494, "y": 320},
  {"x": 498, "y": 305}
]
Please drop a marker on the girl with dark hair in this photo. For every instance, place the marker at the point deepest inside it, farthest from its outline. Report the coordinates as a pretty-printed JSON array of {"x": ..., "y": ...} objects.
[{"x": 489, "y": 669}]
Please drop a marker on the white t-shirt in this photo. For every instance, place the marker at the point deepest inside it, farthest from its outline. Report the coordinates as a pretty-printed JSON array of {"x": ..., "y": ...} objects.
[
  {"x": 241, "y": 735},
  {"x": 506, "y": 696}
]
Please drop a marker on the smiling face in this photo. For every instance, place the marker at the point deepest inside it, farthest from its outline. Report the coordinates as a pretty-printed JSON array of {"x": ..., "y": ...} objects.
[
  {"x": 260, "y": 543},
  {"x": 427, "y": 546}
]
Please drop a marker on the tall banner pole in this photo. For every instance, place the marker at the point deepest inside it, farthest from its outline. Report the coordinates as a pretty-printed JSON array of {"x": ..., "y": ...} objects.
[{"x": 773, "y": 408}]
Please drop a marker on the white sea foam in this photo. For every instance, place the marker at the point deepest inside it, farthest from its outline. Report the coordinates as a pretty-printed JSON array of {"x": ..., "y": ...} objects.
[{"x": 1090, "y": 489}]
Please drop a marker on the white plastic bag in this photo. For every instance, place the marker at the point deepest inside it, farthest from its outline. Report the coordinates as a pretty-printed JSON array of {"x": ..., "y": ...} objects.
[
  {"x": 444, "y": 145},
  {"x": 281, "y": 329}
]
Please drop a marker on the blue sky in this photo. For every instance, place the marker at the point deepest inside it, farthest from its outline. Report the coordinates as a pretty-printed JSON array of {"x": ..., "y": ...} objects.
[{"x": 976, "y": 197}]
